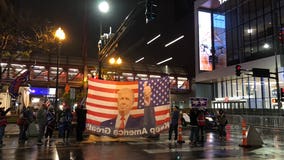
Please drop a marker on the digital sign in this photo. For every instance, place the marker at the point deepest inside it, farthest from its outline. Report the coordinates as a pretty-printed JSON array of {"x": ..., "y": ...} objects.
[
  {"x": 219, "y": 40},
  {"x": 42, "y": 91},
  {"x": 205, "y": 40}
]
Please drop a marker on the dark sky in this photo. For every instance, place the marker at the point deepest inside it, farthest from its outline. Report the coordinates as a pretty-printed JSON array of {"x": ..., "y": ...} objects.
[
  {"x": 175, "y": 18},
  {"x": 69, "y": 14}
]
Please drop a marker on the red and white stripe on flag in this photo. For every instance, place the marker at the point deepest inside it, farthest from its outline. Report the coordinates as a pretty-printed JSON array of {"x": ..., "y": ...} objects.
[{"x": 101, "y": 102}]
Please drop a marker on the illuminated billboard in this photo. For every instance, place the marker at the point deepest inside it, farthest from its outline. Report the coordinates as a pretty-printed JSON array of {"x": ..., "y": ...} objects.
[
  {"x": 219, "y": 40},
  {"x": 205, "y": 40}
]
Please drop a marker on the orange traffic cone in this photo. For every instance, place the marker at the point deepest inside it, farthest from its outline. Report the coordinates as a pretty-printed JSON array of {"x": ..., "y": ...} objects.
[
  {"x": 244, "y": 134},
  {"x": 180, "y": 140}
]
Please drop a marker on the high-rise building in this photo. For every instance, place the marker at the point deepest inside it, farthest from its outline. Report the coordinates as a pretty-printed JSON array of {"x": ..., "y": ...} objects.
[{"x": 239, "y": 32}]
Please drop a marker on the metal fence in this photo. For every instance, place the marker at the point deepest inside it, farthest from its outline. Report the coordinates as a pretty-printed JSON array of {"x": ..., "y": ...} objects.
[{"x": 259, "y": 121}]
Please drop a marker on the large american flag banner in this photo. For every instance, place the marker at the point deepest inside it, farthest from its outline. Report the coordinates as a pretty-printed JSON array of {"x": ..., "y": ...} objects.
[{"x": 101, "y": 105}]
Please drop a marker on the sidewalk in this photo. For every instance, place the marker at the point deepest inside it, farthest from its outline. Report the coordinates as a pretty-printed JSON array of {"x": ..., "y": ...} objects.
[{"x": 12, "y": 129}]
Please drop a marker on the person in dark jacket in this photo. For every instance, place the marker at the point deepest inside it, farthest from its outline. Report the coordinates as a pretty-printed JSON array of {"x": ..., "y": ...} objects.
[
  {"x": 3, "y": 123},
  {"x": 26, "y": 117},
  {"x": 174, "y": 123},
  {"x": 42, "y": 120},
  {"x": 81, "y": 121},
  {"x": 222, "y": 122},
  {"x": 194, "y": 126},
  {"x": 50, "y": 126},
  {"x": 65, "y": 123}
]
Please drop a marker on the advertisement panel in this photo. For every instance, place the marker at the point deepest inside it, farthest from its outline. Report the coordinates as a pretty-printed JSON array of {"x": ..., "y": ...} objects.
[{"x": 205, "y": 40}]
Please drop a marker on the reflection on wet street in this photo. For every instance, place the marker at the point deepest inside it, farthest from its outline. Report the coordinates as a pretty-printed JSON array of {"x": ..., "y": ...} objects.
[{"x": 142, "y": 149}]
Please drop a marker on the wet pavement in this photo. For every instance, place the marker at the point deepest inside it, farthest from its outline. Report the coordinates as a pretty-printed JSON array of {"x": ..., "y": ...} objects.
[{"x": 102, "y": 148}]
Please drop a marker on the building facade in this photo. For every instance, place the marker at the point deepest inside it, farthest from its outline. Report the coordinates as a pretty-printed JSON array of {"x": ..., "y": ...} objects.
[
  {"x": 73, "y": 75},
  {"x": 246, "y": 33}
]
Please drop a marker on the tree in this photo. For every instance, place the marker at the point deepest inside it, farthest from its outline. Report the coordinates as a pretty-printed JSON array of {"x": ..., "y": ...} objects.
[{"x": 21, "y": 36}]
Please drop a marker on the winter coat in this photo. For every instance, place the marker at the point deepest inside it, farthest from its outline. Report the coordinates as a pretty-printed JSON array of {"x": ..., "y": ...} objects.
[
  {"x": 3, "y": 118},
  {"x": 201, "y": 119}
]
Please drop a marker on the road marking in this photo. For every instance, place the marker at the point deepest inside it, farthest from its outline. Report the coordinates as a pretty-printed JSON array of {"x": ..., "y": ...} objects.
[{"x": 190, "y": 149}]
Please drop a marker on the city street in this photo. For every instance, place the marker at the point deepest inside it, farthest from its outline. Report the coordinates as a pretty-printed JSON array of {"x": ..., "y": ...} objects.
[{"x": 141, "y": 148}]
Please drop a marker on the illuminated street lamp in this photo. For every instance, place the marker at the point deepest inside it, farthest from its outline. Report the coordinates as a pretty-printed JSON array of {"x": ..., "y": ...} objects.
[
  {"x": 60, "y": 35},
  {"x": 114, "y": 61},
  {"x": 103, "y": 8}
]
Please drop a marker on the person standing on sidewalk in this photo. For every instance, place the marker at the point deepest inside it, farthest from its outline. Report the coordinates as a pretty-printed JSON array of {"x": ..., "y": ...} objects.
[
  {"x": 194, "y": 126},
  {"x": 26, "y": 118},
  {"x": 51, "y": 123},
  {"x": 222, "y": 122},
  {"x": 42, "y": 121},
  {"x": 81, "y": 121},
  {"x": 3, "y": 123},
  {"x": 174, "y": 123},
  {"x": 201, "y": 124},
  {"x": 65, "y": 122}
]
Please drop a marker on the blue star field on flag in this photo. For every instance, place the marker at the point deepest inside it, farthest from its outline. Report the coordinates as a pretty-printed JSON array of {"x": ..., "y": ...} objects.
[{"x": 160, "y": 91}]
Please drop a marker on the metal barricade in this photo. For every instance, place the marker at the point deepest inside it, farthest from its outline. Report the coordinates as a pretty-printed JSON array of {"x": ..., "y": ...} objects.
[{"x": 275, "y": 122}]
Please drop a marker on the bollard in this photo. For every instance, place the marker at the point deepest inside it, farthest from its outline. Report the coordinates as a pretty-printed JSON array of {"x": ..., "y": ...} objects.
[
  {"x": 180, "y": 140},
  {"x": 244, "y": 134}
]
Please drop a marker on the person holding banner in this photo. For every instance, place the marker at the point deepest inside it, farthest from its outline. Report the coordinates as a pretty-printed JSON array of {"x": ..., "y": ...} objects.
[{"x": 81, "y": 121}]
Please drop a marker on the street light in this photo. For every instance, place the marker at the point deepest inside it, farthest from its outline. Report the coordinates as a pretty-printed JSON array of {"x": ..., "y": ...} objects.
[
  {"x": 116, "y": 62},
  {"x": 60, "y": 35},
  {"x": 103, "y": 8}
]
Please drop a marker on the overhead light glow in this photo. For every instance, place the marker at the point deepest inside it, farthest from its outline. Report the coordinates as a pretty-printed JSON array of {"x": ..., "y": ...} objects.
[
  {"x": 164, "y": 60},
  {"x": 266, "y": 46},
  {"x": 104, "y": 6},
  {"x": 174, "y": 41},
  {"x": 119, "y": 61},
  {"x": 154, "y": 39},
  {"x": 139, "y": 60},
  {"x": 250, "y": 30}
]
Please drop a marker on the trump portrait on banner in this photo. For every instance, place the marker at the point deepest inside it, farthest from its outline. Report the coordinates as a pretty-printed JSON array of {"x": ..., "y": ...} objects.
[{"x": 125, "y": 101}]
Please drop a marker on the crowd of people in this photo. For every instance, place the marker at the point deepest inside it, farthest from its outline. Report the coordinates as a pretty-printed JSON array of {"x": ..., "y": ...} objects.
[
  {"x": 197, "y": 125},
  {"x": 48, "y": 119}
]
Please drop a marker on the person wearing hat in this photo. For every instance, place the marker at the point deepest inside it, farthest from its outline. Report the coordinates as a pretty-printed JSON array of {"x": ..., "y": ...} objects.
[{"x": 3, "y": 123}]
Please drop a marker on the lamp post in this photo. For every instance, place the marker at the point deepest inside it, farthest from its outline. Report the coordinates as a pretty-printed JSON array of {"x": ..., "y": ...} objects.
[
  {"x": 60, "y": 35},
  {"x": 103, "y": 8}
]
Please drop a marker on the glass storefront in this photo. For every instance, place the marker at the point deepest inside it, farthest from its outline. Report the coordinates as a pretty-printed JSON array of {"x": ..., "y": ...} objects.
[{"x": 247, "y": 92}]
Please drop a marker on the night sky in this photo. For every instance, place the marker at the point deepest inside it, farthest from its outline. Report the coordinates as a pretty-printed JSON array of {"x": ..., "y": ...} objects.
[
  {"x": 174, "y": 18},
  {"x": 69, "y": 14}
]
